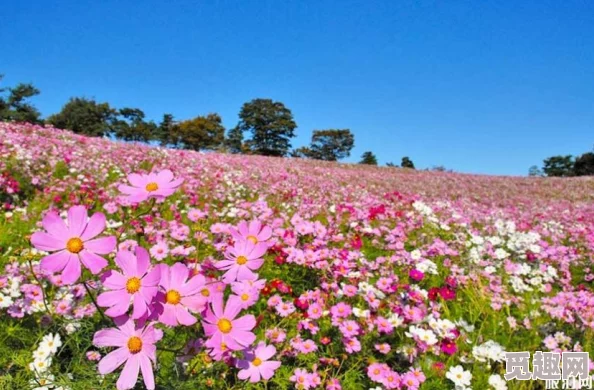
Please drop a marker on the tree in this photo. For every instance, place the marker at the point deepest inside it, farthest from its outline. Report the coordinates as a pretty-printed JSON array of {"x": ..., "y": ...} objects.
[
  {"x": 534, "y": 171},
  {"x": 202, "y": 132},
  {"x": 271, "y": 125},
  {"x": 234, "y": 140},
  {"x": 130, "y": 126},
  {"x": 15, "y": 107},
  {"x": 330, "y": 145},
  {"x": 558, "y": 166},
  {"x": 584, "y": 165},
  {"x": 85, "y": 116},
  {"x": 167, "y": 133},
  {"x": 391, "y": 165},
  {"x": 407, "y": 163},
  {"x": 368, "y": 158}
]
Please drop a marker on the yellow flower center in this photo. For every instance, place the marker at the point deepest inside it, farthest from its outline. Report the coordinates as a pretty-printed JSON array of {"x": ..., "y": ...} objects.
[
  {"x": 224, "y": 325},
  {"x": 74, "y": 245},
  {"x": 205, "y": 292},
  {"x": 223, "y": 347},
  {"x": 253, "y": 239},
  {"x": 257, "y": 361},
  {"x": 134, "y": 344},
  {"x": 241, "y": 260},
  {"x": 173, "y": 297},
  {"x": 133, "y": 285},
  {"x": 150, "y": 187}
]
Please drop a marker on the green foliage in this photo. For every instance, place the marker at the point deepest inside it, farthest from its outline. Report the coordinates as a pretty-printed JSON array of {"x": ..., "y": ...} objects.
[
  {"x": 535, "y": 171},
  {"x": 234, "y": 140},
  {"x": 15, "y": 106},
  {"x": 407, "y": 163},
  {"x": 271, "y": 125},
  {"x": 167, "y": 133},
  {"x": 85, "y": 116},
  {"x": 584, "y": 165},
  {"x": 368, "y": 158},
  {"x": 558, "y": 166},
  {"x": 330, "y": 145},
  {"x": 202, "y": 132},
  {"x": 132, "y": 126}
]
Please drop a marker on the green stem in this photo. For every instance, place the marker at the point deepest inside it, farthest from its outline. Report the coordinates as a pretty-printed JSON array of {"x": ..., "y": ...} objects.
[
  {"x": 43, "y": 295},
  {"x": 94, "y": 301}
]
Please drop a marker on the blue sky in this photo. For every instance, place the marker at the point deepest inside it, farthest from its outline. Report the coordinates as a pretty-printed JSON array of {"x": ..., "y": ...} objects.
[{"x": 477, "y": 86}]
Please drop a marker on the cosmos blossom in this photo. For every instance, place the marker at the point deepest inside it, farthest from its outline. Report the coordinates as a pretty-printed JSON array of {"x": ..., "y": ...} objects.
[
  {"x": 135, "y": 347},
  {"x": 225, "y": 331},
  {"x": 136, "y": 284},
  {"x": 252, "y": 231},
  {"x": 181, "y": 296},
  {"x": 256, "y": 365},
  {"x": 157, "y": 185},
  {"x": 241, "y": 259},
  {"x": 73, "y": 243}
]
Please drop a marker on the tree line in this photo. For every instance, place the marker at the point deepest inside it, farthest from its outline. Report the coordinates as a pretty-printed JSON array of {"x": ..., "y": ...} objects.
[
  {"x": 565, "y": 166},
  {"x": 265, "y": 127}
]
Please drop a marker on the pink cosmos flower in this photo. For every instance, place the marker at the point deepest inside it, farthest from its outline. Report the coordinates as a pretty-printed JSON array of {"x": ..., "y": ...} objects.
[
  {"x": 181, "y": 295},
  {"x": 301, "y": 378},
  {"x": 243, "y": 258},
  {"x": 252, "y": 231},
  {"x": 225, "y": 331},
  {"x": 416, "y": 275},
  {"x": 136, "y": 347},
  {"x": 157, "y": 185},
  {"x": 448, "y": 346},
  {"x": 245, "y": 293},
  {"x": 136, "y": 284},
  {"x": 73, "y": 243},
  {"x": 256, "y": 365}
]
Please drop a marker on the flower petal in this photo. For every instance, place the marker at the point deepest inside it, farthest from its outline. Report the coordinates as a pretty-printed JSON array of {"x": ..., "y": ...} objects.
[{"x": 113, "y": 360}]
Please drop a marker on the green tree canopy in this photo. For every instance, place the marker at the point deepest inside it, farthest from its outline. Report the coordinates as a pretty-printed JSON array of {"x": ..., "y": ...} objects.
[
  {"x": 130, "y": 126},
  {"x": 167, "y": 133},
  {"x": 16, "y": 106},
  {"x": 558, "y": 166},
  {"x": 271, "y": 125},
  {"x": 85, "y": 116},
  {"x": 584, "y": 165},
  {"x": 368, "y": 158},
  {"x": 407, "y": 163},
  {"x": 202, "y": 132},
  {"x": 330, "y": 145}
]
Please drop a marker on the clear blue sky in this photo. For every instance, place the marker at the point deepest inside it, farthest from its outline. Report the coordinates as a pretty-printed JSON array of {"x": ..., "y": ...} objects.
[{"x": 477, "y": 86}]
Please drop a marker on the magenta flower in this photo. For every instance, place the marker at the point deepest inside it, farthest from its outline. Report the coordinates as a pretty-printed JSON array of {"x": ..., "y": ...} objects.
[
  {"x": 73, "y": 243},
  {"x": 154, "y": 185},
  {"x": 181, "y": 296},
  {"x": 416, "y": 275},
  {"x": 136, "y": 347},
  {"x": 256, "y": 365},
  {"x": 136, "y": 284},
  {"x": 254, "y": 232},
  {"x": 243, "y": 258},
  {"x": 226, "y": 332}
]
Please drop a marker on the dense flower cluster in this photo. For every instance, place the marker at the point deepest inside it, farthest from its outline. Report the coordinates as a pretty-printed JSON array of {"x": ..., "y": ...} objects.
[{"x": 244, "y": 272}]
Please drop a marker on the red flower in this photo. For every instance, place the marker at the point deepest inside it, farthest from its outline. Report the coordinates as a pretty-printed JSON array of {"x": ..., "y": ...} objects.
[
  {"x": 448, "y": 347},
  {"x": 447, "y": 293}
]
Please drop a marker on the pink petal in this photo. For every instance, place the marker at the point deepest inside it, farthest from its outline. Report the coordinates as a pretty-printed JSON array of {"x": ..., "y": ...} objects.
[
  {"x": 147, "y": 372},
  {"x": 77, "y": 220},
  {"x": 142, "y": 260},
  {"x": 193, "y": 286},
  {"x": 112, "y": 298},
  {"x": 267, "y": 369},
  {"x": 168, "y": 315},
  {"x": 101, "y": 246},
  {"x": 255, "y": 264},
  {"x": 127, "y": 262},
  {"x": 93, "y": 262},
  {"x": 56, "y": 261},
  {"x": 267, "y": 352},
  {"x": 113, "y": 280},
  {"x": 232, "y": 309},
  {"x": 128, "y": 190},
  {"x": 113, "y": 360},
  {"x": 183, "y": 316},
  {"x": 165, "y": 176},
  {"x": 148, "y": 292},
  {"x": 46, "y": 242},
  {"x": 196, "y": 303},
  {"x": 55, "y": 225},
  {"x": 94, "y": 227},
  {"x": 129, "y": 374},
  {"x": 110, "y": 337},
  {"x": 179, "y": 274},
  {"x": 165, "y": 272},
  {"x": 247, "y": 322},
  {"x": 244, "y": 273},
  {"x": 152, "y": 278},
  {"x": 72, "y": 270},
  {"x": 139, "y": 308},
  {"x": 137, "y": 180},
  {"x": 242, "y": 337}
]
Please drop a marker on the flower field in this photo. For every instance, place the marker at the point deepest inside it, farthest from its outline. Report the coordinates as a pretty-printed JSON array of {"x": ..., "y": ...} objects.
[{"x": 127, "y": 266}]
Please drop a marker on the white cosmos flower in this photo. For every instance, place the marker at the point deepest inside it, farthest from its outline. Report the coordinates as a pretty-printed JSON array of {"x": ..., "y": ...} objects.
[{"x": 459, "y": 376}]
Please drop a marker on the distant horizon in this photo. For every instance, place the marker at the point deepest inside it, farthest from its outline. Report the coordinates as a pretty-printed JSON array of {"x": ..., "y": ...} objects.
[{"x": 484, "y": 88}]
